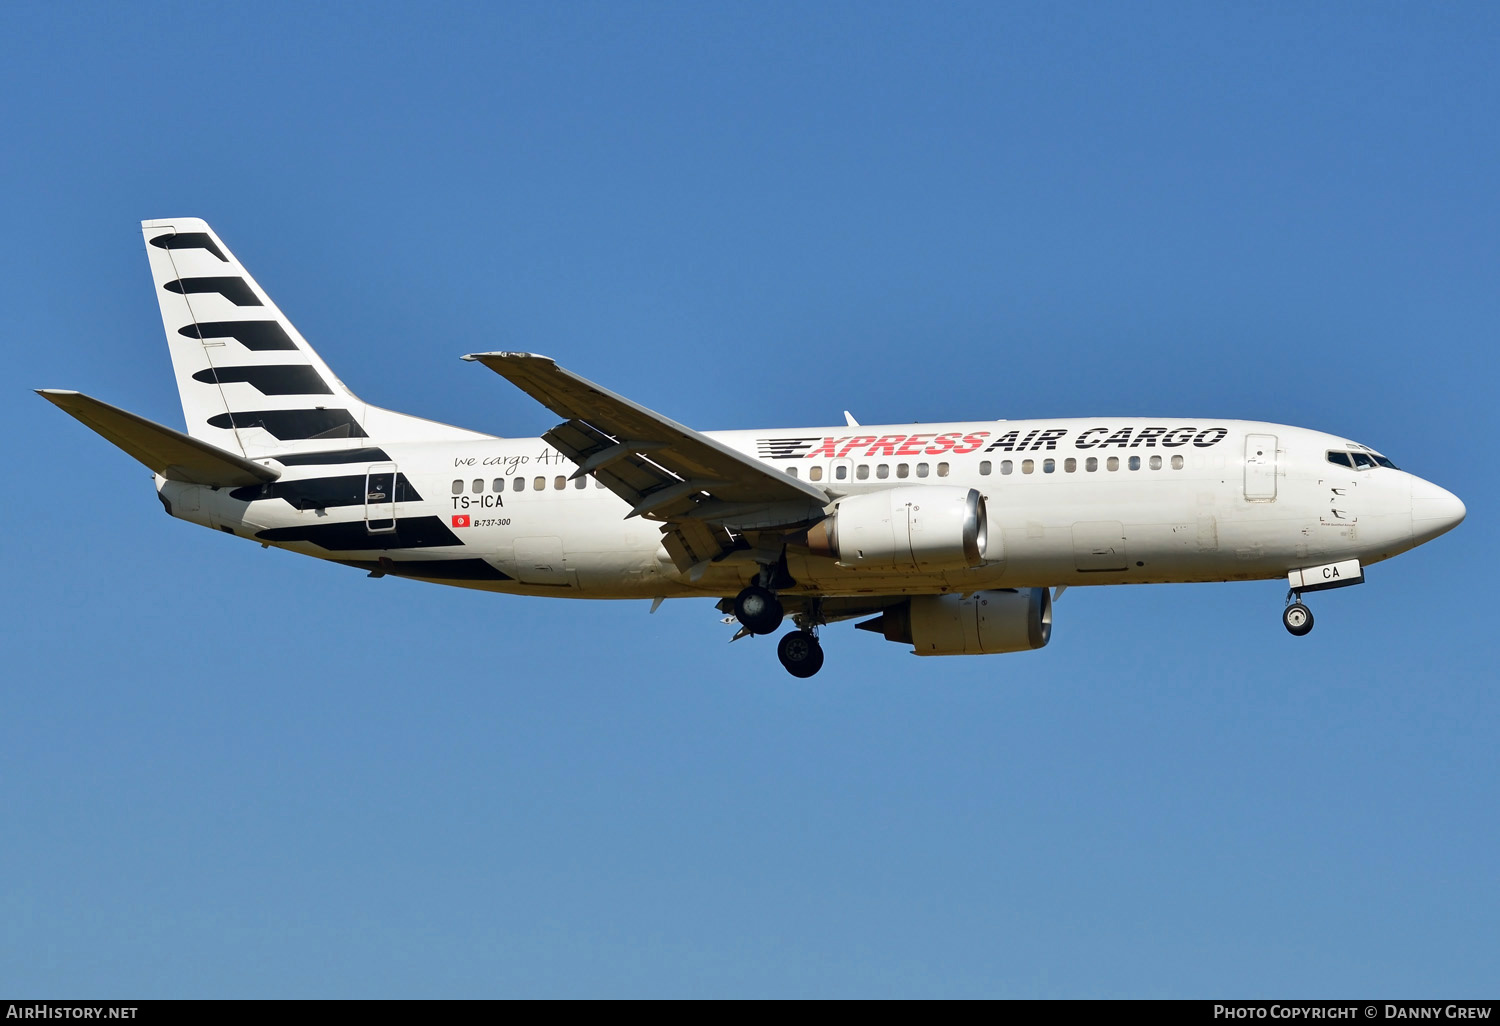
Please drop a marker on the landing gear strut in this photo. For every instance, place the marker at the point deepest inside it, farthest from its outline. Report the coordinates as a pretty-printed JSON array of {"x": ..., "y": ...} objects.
[
  {"x": 1297, "y": 618},
  {"x": 800, "y": 653}
]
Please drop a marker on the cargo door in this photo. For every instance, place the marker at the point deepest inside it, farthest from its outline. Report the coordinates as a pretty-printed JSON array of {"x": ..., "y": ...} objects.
[
  {"x": 1099, "y": 545},
  {"x": 540, "y": 561}
]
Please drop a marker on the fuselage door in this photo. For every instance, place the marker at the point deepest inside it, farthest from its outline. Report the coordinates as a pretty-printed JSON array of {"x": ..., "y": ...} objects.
[
  {"x": 540, "y": 561},
  {"x": 380, "y": 498},
  {"x": 1260, "y": 468},
  {"x": 1099, "y": 545}
]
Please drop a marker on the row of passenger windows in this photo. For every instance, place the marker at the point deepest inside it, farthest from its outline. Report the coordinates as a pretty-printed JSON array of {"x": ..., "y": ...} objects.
[
  {"x": 882, "y": 472},
  {"x": 862, "y": 472},
  {"x": 1049, "y": 466},
  {"x": 1090, "y": 465},
  {"x": 518, "y": 484}
]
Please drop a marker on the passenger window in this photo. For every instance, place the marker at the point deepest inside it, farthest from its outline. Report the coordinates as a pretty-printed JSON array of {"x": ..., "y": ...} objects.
[
  {"x": 1113, "y": 463},
  {"x": 814, "y": 473},
  {"x": 581, "y": 483},
  {"x": 1135, "y": 463},
  {"x": 984, "y": 467},
  {"x": 1177, "y": 462},
  {"x": 1006, "y": 466},
  {"x": 841, "y": 472},
  {"x": 862, "y": 471},
  {"x": 942, "y": 470},
  {"x": 882, "y": 470},
  {"x": 1156, "y": 463},
  {"x": 1048, "y": 466},
  {"x": 559, "y": 483},
  {"x": 498, "y": 484},
  {"x": 921, "y": 470},
  {"x": 518, "y": 484},
  {"x": 903, "y": 469},
  {"x": 1070, "y": 465},
  {"x": 478, "y": 485},
  {"x": 1091, "y": 464},
  {"x": 1028, "y": 466},
  {"x": 598, "y": 483},
  {"x": 792, "y": 472},
  {"x": 540, "y": 484},
  {"x": 458, "y": 487},
  {"x": 1341, "y": 458}
]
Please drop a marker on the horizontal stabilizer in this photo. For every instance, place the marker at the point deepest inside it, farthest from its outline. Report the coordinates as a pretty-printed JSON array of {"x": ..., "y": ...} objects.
[{"x": 169, "y": 453}]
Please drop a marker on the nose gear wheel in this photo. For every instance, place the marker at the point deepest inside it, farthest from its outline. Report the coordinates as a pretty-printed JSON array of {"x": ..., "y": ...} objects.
[{"x": 1297, "y": 618}]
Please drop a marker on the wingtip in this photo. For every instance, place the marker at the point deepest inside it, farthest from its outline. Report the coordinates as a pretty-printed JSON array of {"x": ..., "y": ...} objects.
[{"x": 507, "y": 356}]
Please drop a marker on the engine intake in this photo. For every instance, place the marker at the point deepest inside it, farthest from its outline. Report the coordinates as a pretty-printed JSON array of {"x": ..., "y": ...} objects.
[
  {"x": 931, "y": 528},
  {"x": 986, "y": 623}
]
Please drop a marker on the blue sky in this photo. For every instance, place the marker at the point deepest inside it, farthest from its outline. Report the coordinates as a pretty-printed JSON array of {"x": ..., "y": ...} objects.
[{"x": 234, "y": 772}]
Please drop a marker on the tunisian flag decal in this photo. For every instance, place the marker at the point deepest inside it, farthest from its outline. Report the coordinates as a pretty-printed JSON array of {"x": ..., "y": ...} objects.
[{"x": 461, "y": 520}]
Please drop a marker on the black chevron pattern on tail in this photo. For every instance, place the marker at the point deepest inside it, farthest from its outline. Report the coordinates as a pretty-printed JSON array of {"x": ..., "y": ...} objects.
[
  {"x": 257, "y": 336},
  {"x": 293, "y": 424},
  {"x": 277, "y": 379},
  {"x": 190, "y": 240},
  {"x": 233, "y": 288}
]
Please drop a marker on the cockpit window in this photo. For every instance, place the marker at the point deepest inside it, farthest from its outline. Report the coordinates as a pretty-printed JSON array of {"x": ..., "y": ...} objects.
[{"x": 1362, "y": 460}]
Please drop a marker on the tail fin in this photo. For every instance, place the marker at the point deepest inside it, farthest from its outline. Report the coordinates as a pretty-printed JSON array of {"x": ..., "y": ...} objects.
[{"x": 249, "y": 382}]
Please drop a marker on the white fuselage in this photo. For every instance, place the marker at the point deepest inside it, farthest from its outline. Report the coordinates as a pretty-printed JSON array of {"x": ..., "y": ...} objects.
[{"x": 1070, "y": 502}]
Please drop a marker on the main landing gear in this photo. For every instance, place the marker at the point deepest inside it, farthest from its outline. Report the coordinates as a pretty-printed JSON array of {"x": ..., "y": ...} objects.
[
  {"x": 1297, "y": 618},
  {"x": 801, "y": 653},
  {"x": 759, "y": 611}
]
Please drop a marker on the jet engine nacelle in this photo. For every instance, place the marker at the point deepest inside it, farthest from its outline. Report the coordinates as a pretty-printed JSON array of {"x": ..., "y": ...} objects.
[
  {"x": 986, "y": 623},
  {"x": 925, "y": 528}
]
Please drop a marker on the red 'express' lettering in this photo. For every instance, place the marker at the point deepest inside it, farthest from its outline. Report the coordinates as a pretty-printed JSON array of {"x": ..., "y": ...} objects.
[{"x": 942, "y": 443}]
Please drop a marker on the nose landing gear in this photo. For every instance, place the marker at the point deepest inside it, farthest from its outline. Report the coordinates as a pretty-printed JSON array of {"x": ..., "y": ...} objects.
[{"x": 1297, "y": 618}]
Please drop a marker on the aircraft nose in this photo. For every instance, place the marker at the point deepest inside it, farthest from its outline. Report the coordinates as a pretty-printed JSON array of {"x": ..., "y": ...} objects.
[{"x": 1434, "y": 511}]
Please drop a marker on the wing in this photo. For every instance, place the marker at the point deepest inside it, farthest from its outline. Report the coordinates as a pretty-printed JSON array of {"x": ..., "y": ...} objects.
[{"x": 698, "y": 487}]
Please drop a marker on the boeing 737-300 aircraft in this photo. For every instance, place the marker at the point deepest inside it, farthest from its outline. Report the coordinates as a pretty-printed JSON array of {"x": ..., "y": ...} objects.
[{"x": 948, "y": 537}]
